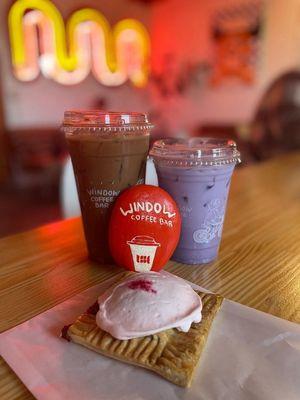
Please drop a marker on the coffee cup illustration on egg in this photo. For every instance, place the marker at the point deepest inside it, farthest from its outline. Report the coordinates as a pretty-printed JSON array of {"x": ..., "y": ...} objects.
[{"x": 143, "y": 249}]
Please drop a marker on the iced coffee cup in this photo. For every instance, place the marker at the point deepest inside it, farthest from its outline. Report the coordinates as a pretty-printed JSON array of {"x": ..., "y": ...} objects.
[
  {"x": 108, "y": 152},
  {"x": 196, "y": 172}
]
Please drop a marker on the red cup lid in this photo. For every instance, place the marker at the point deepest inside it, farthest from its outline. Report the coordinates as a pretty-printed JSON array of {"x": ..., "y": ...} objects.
[{"x": 143, "y": 241}]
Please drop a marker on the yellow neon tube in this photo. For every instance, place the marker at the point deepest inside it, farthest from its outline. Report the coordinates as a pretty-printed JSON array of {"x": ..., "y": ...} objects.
[{"x": 113, "y": 55}]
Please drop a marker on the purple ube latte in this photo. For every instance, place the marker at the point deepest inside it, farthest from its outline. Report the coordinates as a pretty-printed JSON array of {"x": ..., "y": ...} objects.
[{"x": 196, "y": 172}]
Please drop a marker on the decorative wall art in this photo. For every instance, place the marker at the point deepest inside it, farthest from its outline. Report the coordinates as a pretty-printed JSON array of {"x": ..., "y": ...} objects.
[{"x": 236, "y": 36}]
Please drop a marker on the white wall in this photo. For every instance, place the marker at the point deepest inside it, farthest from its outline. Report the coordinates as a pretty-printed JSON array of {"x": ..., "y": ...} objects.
[
  {"x": 183, "y": 29},
  {"x": 282, "y": 38},
  {"x": 176, "y": 26}
]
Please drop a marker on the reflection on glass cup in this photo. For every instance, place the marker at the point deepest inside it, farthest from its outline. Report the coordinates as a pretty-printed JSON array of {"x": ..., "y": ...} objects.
[
  {"x": 108, "y": 152},
  {"x": 197, "y": 172}
]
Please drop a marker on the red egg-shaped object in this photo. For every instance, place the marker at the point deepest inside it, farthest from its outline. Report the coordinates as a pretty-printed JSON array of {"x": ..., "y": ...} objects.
[{"x": 144, "y": 228}]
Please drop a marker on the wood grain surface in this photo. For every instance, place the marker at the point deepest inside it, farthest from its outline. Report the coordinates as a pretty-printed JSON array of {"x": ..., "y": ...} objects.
[{"x": 258, "y": 264}]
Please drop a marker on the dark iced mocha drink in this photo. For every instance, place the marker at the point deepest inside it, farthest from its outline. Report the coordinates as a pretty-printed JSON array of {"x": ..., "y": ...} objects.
[
  {"x": 196, "y": 173},
  {"x": 108, "y": 152}
]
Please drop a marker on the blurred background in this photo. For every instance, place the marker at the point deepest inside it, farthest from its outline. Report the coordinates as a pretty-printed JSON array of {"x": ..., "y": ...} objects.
[{"x": 224, "y": 68}]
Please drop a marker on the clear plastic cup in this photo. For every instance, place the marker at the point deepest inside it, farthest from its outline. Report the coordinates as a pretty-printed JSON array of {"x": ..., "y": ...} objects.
[
  {"x": 108, "y": 152},
  {"x": 197, "y": 172}
]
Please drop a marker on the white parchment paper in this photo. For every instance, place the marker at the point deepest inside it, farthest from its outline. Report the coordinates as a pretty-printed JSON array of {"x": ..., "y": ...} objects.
[{"x": 249, "y": 355}]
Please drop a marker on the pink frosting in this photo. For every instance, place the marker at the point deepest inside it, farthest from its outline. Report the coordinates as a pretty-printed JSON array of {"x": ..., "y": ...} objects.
[{"x": 148, "y": 303}]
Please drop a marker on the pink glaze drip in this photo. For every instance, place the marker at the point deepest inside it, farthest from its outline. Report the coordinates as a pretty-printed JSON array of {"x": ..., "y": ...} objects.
[{"x": 141, "y": 284}]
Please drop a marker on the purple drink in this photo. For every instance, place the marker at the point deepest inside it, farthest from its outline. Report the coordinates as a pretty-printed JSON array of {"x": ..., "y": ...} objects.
[{"x": 196, "y": 173}]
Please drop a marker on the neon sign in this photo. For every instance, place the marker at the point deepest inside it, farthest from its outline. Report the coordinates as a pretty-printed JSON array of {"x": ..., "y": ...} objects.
[{"x": 40, "y": 42}]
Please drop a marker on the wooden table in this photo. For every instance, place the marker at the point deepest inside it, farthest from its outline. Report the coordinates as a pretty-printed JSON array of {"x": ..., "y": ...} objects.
[{"x": 258, "y": 265}]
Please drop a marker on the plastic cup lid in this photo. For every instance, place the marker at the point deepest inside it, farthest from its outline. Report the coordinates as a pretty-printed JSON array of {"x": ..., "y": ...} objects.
[
  {"x": 195, "y": 151},
  {"x": 105, "y": 121}
]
